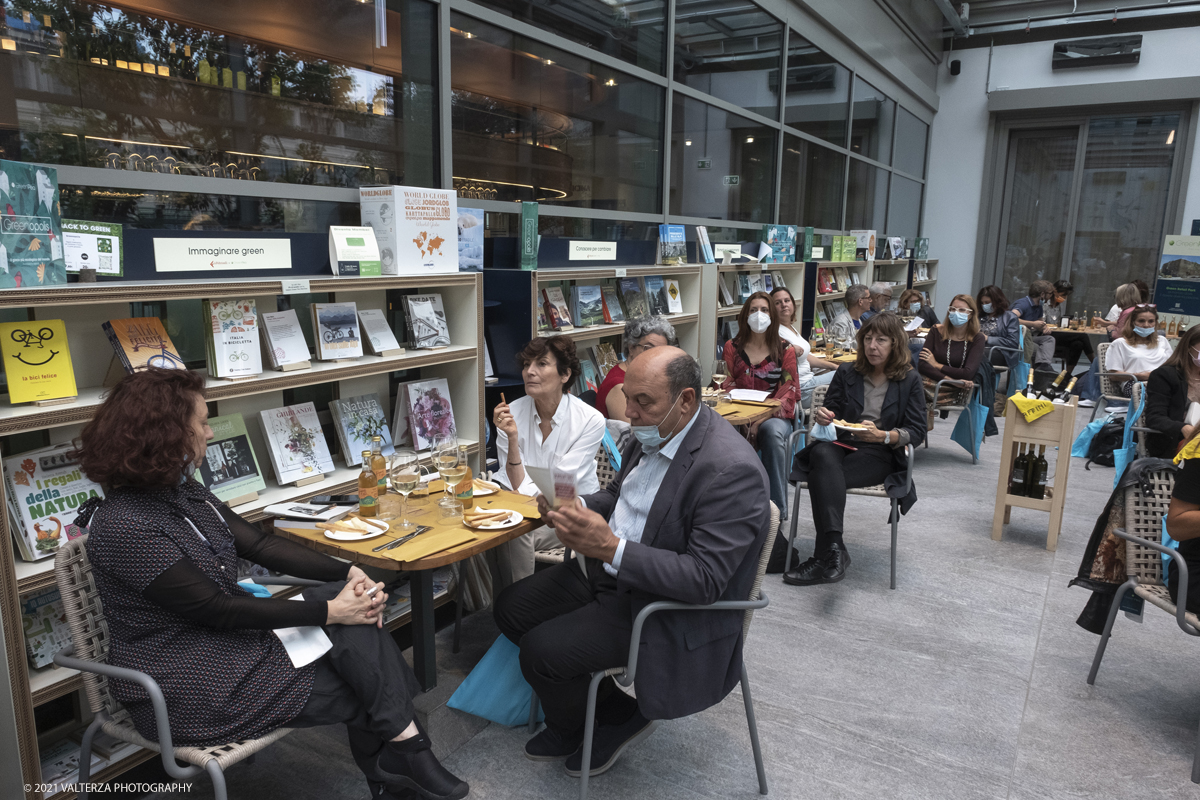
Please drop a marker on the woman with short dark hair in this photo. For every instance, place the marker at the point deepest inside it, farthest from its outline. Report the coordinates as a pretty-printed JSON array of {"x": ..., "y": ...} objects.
[
  {"x": 164, "y": 551},
  {"x": 641, "y": 334},
  {"x": 1000, "y": 327}
]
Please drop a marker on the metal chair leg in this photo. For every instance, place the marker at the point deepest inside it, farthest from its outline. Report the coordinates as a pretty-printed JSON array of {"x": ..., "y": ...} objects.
[
  {"x": 1108, "y": 626},
  {"x": 754, "y": 745},
  {"x": 218, "y": 779},
  {"x": 534, "y": 704},
  {"x": 1196, "y": 762},
  {"x": 787, "y": 559},
  {"x": 1095, "y": 408},
  {"x": 458, "y": 608},
  {"x": 895, "y": 529},
  {"x": 971, "y": 428},
  {"x": 588, "y": 729},
  {"x": 85, "y": 755}
]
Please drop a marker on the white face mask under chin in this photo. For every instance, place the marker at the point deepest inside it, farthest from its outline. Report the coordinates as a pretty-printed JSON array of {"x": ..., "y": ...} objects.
[{"x": 759, "y": 321}]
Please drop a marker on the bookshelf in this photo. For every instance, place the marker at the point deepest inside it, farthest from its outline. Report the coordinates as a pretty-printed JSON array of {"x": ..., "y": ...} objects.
[
  {"x": 927, "y": 285},
  {"x": 83, "y": 307}
]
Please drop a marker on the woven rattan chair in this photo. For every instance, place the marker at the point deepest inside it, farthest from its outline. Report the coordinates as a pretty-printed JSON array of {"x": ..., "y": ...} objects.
[
  {"x": 605, "y": 474},
  {"x": 960, "y": 393},
  {"x": 1110, "y": 382},
  {"x": 88, "y": 653},
  {"x": 625, "y": 675},
  {"x": 868, "y": 491},
  {"x": 1143, "y": 564}
]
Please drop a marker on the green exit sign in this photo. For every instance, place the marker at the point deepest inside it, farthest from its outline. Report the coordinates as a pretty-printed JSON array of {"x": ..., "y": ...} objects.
[{"x": 732, "y": 180}]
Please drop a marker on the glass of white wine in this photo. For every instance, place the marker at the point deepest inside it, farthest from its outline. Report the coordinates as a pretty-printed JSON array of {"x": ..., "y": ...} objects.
[
  {"x": 452, "y": 467},
  {"x": 404, "y": 471},
  {"x": 720, "y": 373}
]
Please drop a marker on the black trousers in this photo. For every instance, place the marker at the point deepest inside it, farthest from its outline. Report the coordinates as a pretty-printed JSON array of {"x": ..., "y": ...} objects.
[
  {"x": 1070, "y": 345},
  {"x": 363, "y": 681},
  {"x": 833, "y": 470},
  {"x": 568, "y": 626}
]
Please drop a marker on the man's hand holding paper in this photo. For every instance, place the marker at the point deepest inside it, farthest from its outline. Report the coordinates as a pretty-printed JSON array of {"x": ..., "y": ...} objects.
[{"x": 583, "y": 531}]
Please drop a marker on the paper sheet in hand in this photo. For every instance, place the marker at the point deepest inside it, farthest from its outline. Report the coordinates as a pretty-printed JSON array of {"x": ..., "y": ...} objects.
[
  {"x": 304, "y": 645},
  {"x": 557, "y": 485},
  {"x": 748, "y": 394},
  {"x": 1193, "y": 414},
  {"x": 912, "y": 326}
]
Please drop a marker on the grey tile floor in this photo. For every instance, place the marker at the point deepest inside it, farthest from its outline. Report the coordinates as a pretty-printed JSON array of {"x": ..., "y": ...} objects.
[{"x": 967, "y": 681}]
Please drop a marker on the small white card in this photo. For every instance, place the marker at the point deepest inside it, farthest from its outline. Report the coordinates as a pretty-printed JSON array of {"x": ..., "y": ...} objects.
[
  {"x": 305, "y": 644},
  {"x": 914, "y": 324},
  {"x": 748, "y": 394}
]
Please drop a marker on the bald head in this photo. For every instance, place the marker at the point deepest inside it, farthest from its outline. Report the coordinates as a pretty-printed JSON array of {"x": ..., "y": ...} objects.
[{"x": 655, "y": 380}]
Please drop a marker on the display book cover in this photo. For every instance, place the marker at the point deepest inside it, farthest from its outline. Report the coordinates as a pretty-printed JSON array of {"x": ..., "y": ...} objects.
[
  {"x": 723, "y": 279},
  {"x": 416, "y": 229},
  {"x": 782, "y": 241},
  {"x": 356, "y": 420},
  {"x": 31, "y": 238},
  {"x": 656, "y": 295},
  {"x": 557, "y": 313},
  {"x": 423, "y": 412},
  {"x": 672, "y": 247},
  {"x": 45, "y": 489},
  {"x": 293, "y": 435},
  {"x": 633, "y": 297},
  {"x": 706, "y": 251},
  {"x": 335, "y": 327},
  {"x": 611, "y": 302},
  {"x": 587, "y": 305},
  {"x": 284, "y": 338},
  {"x": 425, "y": 321},
  {"x": 231, "y": 338},
  {"x": 44, "y": 623},
  {"x": 377, "y": 333},
  {"x": 37, "y": 361},
  {"x": 588, "y": 373},
  {"x": 142, "y": 342},
  {"x": 229, "y": 468}
]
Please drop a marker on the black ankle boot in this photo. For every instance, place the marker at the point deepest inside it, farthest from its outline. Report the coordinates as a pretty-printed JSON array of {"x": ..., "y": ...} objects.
[{"x": 411, "y": 765}]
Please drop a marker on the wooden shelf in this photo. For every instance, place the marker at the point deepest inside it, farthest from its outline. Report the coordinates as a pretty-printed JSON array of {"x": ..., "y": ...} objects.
[
  {"x": 760, "y": 267},
  {"x": 820, "y": 298},
  {"x": 605, "y": 273},
  {"x": 139, "y": 756},
  {"x": 615, "y": 329},
  {"x": 924, "y": 283},
  {"x": 728, "y": 311},
  {"x": 50, "y": 682}
]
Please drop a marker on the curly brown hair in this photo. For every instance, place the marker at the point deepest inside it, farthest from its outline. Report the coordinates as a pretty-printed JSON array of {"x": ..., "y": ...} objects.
[
  {"x": 142, "y": 433},
  {"x": 563, "y": 350},
  {"x": 899, "y": 360}
]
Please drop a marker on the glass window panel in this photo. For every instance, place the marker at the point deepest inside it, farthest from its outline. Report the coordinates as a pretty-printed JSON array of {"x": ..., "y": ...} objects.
[
  {"x": 103, "y": 87},
  {"x": 531, "y": 122},
  {"x": 904, "y": 207},
  {"x": 911, "y": 138},
  {"x": 811, "y": 189},
  {"x": 817, "y": 93},
  {"x": 866, "y": 197},
  {"x": 723, "y": 165},
  {"x": 871, "y": 130},
  {"x": 634, "y": 32},
  {"x": 732, "y": 50},
  {"x": 1121, "y": 220}
]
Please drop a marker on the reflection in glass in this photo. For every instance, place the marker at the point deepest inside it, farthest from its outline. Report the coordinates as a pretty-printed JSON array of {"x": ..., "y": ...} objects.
[
  {"x": 866, "y": 197},
  {"x": 904, "y": 208},
  {"x": 631, "y": 31},
  {"x": 1037, "y": 201},
  {"x": 101, "y": 87},
  {"x": 911, "y": 138},
  {"x": 811, "y": 187},
  {"x": 531, "y": 122},
  {"x": 723, "y": 166},
  {"x": 871, "y": 129},
  {"x": 731, "y": 50},
  {"x": 817, "y": 92},
  {"x": 1120, "y": 223}
]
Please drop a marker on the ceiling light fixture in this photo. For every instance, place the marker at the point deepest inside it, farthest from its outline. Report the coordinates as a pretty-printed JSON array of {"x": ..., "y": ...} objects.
[
  {"x": 687, "y": 142},
  {"x": 610, "y": 82},
  {"x": 749, "y": 140}
]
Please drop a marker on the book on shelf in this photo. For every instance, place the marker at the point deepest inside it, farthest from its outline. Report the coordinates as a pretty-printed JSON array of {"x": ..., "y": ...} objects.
[
  {"x": 231, "y": 338},
  {"x": 335, "y": 328},
  {"x": 430, "y": 412},
  {"x": 377, "y": 333},
  {"x": 593, "y": 353},
  {"x": 656, "y": 295},
  {"x": 416, "y": 228},
  {"x": 489, "y": 369},
  {"x": 820, "y": 318},
  {"x": 284, "y": 339},
  {"x": 824, "y": 280},
  {"x": 842, "y": 276},
  {"x": 37, "y": 361},
  {"x": 895, "y": 246},
  {"x": 530, "y": 238},
  {"x": 835, "y": 308},
  {"x": 296, "y": 442},
  {"x": 782, "y": 241},
  {"x": 777, "y": 281},
  {"x": 672, "y": 249},
  {"x": 229, "y": 468},
  {"x": 142, "y": 342},
  {"x": 769, "y": 282},
  {"x": 854, "y": 278},
  {"x": 542, "y": 324},
  {"x": 60, "y": 765},
  {"x": 44, "y": 623},
  {"x": 588, "y": 377},
  {"x": 425, "y": 320},
  {"x": 608, "y": 356},
  {"x": 922, "y": 272},
  {"x": 758, "y": 282},
  {"x": 612, "y": 304},
  {"x": 744, "y": 290},
  {"x": 354, "y": 251},
  {"x": 706, "y": 250},
  {"x": 106, "y": 745},
  {"x": 45, "y": 489},
  {"x": 864, "y": 244},
  {"x": 723, "y": 279},
  {"x": 470, "y": 239},
  {"x": 633, "y": 298},
  {"x": 921, "y": 251},
  {"x": 674, "y": 297},
  {"x": 356, "y": 420},
  {"x": 809, "y": 240},
  {"x": 557, "y": 313},
  {"x": 588, "y": 305}
]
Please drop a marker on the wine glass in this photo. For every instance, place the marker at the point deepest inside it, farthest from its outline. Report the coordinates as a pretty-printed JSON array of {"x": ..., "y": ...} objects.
[
  {"x": 404, "y": 471},
  {"x": 452, "y": 467},
  {"x": 720, "y": 373}
]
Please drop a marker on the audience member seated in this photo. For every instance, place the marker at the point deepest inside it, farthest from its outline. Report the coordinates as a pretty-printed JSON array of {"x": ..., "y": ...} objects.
[
  {"x": 684, "y": 520},
  {"x": 548, "y": 427},
  {"x": 953, "y": 349},
  {"x": 1069, "y": 345},
  {"x": 881, "y": 298},
  {"x": 882, "y": 392},
  {"x": 844, "y": 329},
  {"x": 912, "y": 304},
  {"x": 1170, "y": 391},
  {"x": 1001, "y": 328},
  {"x": 1028, "y": 311},
  {"x": 165, "y": 552},
  {"x": 1183, "y": 523},
  {"x": 1140, "y": 349},
  {"x": 1127, "y": 295},
  {"x": 758, "y": 359},
  {"x": 641, "y": 333},
  {"x": 806, "y": 362}
]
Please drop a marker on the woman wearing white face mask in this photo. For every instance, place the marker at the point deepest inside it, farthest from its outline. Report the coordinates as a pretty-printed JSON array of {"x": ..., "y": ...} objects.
[
  {"x": 1140, "y": 349},
  {"x": 953, "y": 349},
  {"x": 758, "y": 359},
  {"x": 1170, "y": 392}
]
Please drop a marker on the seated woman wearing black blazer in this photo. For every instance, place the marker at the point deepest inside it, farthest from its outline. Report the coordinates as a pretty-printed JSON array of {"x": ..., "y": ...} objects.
[
  {"x": 1171, "y": 389},
  {"x": 882, "y": 392}
]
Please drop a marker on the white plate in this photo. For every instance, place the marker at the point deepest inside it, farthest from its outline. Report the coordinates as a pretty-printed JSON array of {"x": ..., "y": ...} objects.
[
  {"x": 346, "y": 536},
  {"x": 479, "y": 491},
  {"x": 514, "y": 518},
  {"x": 844, "y": 428}
]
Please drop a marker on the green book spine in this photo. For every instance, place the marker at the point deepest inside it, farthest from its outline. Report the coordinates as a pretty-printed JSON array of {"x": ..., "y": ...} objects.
[
  {"x": 806, "y": 253},
  {"x": 529, "y": 236}
]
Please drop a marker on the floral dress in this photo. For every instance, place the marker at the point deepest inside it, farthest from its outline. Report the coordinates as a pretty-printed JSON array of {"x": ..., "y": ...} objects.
[{"x": 769, "y": 375}]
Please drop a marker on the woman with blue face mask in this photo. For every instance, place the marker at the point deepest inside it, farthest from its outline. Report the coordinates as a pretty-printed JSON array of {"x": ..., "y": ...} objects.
[
  {"x": 912, "y": 304},
  {"x": 1000, "y": 327},
  {"x": 955, "y": 348},
  {"x": 1140, "y": 350}
]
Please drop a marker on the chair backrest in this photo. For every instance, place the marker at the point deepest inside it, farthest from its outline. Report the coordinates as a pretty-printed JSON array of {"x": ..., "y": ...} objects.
[
  {"x": 1108, "y": 386},
  {"x": 818, "y": 398},
  {"x": 1143, "y": 519},
  {"x": 85, "y": 618},
  {"x": 763, "y": 558},
  {"x": 604, "y": 469},
  {"x": 1139, "y": 437}
]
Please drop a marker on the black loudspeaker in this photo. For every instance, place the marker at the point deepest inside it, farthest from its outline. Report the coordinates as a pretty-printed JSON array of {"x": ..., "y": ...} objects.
[{"x": 955, "y": 67}]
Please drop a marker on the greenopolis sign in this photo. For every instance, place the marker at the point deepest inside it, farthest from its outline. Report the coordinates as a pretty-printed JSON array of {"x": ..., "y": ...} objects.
[{"x": 31, "y": 243}]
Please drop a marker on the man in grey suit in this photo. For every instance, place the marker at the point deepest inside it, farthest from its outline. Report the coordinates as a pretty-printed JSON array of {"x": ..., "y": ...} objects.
[{"x": 684, "y": 520}]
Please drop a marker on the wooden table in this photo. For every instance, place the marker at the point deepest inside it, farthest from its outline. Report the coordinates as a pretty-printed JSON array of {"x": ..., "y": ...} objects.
[
  {"x": 845, "y": 358},
  {"x": 741, "y": 413},
  {"x": 423, "y": 511}
]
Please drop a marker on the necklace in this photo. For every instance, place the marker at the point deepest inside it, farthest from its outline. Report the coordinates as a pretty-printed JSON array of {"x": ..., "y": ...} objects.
[{"x": 963, "y": 363}]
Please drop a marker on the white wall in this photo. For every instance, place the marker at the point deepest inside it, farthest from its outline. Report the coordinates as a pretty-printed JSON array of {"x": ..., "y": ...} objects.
[{"x": 959, "y": 134}]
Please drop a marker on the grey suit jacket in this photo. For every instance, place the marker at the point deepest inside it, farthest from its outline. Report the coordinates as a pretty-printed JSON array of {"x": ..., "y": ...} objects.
[{"x": 702, "y": 540}]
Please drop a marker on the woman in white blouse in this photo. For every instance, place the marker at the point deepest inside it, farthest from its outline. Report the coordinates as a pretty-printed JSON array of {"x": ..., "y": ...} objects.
[
  {"x": 785, "y": 310},
  {"x": 1140, "y": 350},
  {"x": 547, "y": 428}
]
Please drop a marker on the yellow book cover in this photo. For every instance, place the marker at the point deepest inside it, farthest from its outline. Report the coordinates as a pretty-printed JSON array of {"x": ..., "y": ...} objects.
[
  {"x": 143, "y": 342},
  {"x": 37, "y": 361}
]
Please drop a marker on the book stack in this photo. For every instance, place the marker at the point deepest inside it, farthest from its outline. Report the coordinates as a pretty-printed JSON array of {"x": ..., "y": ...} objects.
[
  {"x": 425, "y": 321},
  {"x": 298, "y": 450},
  {"x": 231, "y": 338},
  {"x": 423, "y": 412},
  {"x": 229, "y": 468},
  {"x": 356, "y": 420},
  {"x": 335, "y": 327},
  {"x": 45, "y": 489},
  {"x": 283, "y": 339}
]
